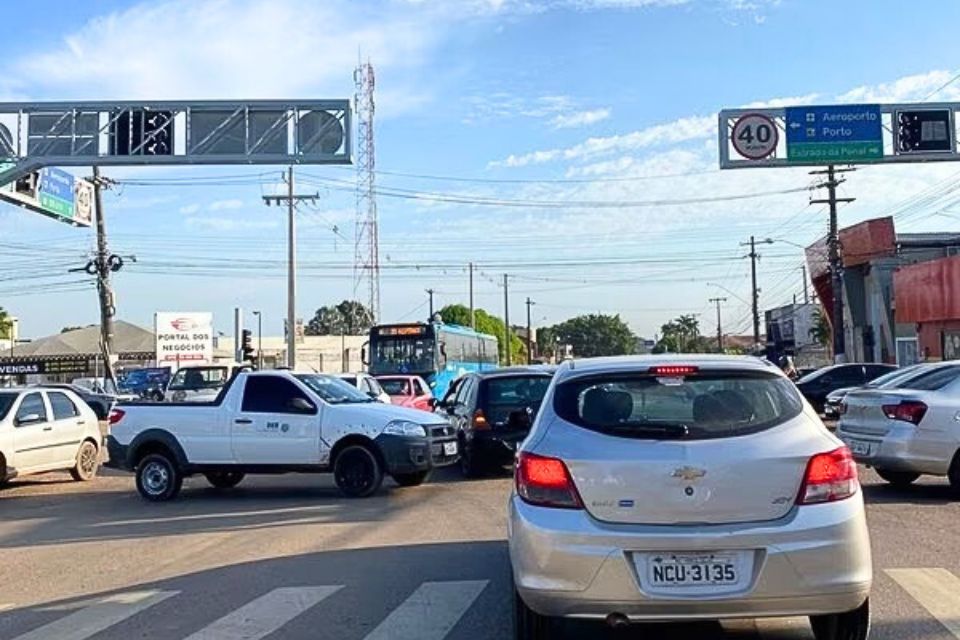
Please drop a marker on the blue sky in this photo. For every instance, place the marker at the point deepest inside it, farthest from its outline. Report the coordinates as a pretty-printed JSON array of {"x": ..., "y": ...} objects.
[{"x": 602, "y": 97}]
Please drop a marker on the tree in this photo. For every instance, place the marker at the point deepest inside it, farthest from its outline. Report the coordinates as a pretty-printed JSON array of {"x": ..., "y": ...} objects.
[
  {"x": 592, "y": 335},
  {"x": 349, "y": 317},
  {"x": 682, "y": 335},
  {"x": 486, "y": 323},
  {"x": 821, "y": 330},
  {"x": 6, "y": 325}
]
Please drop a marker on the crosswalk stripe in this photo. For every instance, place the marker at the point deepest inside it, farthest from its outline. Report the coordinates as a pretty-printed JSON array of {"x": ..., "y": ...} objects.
[
  {"x": 103, "y": 614},
  {"x": 430, "y": 612},
  {"x": 937, "y": 590},
  {"x": 266, "y": 614}
]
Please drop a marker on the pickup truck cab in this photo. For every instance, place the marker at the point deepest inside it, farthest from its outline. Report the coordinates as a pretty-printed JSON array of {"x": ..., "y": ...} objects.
[
  {"x": 278, "y": 422},
  {"x": 200, "y": 383}
]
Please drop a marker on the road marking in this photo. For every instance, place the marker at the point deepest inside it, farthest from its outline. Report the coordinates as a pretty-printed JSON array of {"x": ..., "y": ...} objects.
[
  {"x": 103, "y": 614},
  {"x": 937, "y": 590},
  {"x": 430, "y": 612},
  {"x": 214, "y": 516},
  {"x": 266, "y": 614}
]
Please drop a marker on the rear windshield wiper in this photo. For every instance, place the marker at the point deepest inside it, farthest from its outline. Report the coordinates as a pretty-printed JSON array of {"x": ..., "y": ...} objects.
[{"x": 664, "y": 431}]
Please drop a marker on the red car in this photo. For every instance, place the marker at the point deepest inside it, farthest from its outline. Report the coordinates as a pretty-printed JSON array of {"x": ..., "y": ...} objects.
[{"x": 408, "y": 391}]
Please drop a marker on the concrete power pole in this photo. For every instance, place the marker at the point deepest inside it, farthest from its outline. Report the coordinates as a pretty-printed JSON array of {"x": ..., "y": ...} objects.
[
  {"x": 836, "y": 265},
  {"x": 719, "y": 325},
  {"x": 103, "y": 267},
  {"x": 506, "y": 320},
  {"x": 291, "y": 200},
  {"x": 755, "y": 292},
  {"x": 530, "y": 303},
  {"x": 473, "y": 313},
  {"x": 430, "y": 293}
]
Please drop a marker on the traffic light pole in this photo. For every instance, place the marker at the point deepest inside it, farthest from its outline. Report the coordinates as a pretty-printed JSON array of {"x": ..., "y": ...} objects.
[
  {"x": 836, "y": 264},
  {"x": 104, "y": 288}
]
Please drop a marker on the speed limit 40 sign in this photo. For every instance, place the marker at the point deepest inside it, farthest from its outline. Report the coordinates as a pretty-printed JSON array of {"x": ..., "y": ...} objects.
[{"x": 754, "y": 136}]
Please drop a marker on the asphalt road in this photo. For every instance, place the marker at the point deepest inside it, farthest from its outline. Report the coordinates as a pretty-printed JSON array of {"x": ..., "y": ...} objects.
[{"x": 287, "y": 557}]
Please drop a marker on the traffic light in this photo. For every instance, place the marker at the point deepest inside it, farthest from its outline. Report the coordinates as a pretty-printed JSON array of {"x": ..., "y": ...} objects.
[
  {"x": 924, "y": 131},
  {"x": 247, "y": 346},
  {"x": 142, "y": 132}
]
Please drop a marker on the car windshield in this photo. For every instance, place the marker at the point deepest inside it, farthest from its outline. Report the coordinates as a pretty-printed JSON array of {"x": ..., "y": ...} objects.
[
  {"x": 700, "y": 406},
  {"x": 6, "y": 401},
  {"x": 931, "y": 379},
  {"x": 395, "y": 386},
  {"x": 333, "y": 390},
  {"x": 894, "y": 378},
  {"x": 351, "y": 380}
]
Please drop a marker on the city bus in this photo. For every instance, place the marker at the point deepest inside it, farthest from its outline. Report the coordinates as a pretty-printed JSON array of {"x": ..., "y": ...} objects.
[{"x": 439, "y": 353}]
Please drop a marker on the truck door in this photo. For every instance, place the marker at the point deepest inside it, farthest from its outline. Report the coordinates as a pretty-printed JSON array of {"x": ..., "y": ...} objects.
[{"x": 276, "y": 423}]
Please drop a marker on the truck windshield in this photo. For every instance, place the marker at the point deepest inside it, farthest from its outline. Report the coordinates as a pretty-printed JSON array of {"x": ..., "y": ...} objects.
[{"x": 333, "y": 390}]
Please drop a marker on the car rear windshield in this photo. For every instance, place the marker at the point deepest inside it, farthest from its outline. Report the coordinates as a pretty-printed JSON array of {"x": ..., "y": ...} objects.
[
  {"x": 395, "y": 387},
  {"x": 932, "y": 380},
  {"x": 6, "y": 401},
  {"x": 715, "y": 404}
]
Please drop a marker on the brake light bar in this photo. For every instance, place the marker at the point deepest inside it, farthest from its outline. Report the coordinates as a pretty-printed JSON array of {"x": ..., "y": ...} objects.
[
  {"x": 829, "y": 477},
  {"x": 546, "y": 482},
  {"x": 673, "y": 370},
  {"x": 911, "y": 411}
]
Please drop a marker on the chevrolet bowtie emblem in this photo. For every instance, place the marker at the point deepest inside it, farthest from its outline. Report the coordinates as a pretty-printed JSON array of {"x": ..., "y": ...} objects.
[{"x": 689, "y": 473}]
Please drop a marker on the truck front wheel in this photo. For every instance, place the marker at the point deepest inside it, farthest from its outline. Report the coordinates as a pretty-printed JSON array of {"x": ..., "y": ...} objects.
[
  {"x": 158, "y": 478},
  {"x": 357, "y": 471}
]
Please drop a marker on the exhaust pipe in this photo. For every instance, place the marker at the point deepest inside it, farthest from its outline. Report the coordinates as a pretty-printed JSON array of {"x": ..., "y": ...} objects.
[{"x": 617, "y": 621}]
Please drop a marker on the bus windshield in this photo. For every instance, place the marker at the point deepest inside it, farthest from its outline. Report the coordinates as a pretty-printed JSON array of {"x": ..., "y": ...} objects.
[{"x": 404, "y": 355}]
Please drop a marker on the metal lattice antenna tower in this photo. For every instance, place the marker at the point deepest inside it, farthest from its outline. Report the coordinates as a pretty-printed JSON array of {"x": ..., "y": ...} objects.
[{"x": 366, "y": 265}]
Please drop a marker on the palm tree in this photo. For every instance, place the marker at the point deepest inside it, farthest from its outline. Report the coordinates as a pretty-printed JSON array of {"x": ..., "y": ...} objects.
[{"x": 6, "y": 325}]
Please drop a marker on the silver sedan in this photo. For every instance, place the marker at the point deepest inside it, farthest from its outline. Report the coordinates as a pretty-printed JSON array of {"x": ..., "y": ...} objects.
[{"x": 685, "y": 488}]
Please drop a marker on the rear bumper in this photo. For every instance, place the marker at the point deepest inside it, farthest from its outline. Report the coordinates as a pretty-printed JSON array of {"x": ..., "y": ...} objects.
[
  {"x": 496, "y": 447},
  {"x": 815, "y": 561},
  {"x": 117, "y": 455},
  {"x": 900, "y": 449}
]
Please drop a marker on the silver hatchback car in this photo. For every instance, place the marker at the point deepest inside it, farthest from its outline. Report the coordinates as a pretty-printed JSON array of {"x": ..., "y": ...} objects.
[{"x": 677, "y": 488}]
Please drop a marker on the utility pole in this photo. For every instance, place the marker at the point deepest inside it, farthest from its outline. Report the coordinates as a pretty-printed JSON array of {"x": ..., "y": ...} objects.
[
  {"x": 836, "y": 266},
  {"x": 259, "y": 340},
  {"x": 755, "y": 292},
  {"x": 430, "y": 293},
  {"x": 530, "y": 303},
  {"x": 103, "y": 267},
  {"x": 291, "y": 200},
  {"x": 719, "y": 325},
  {"x": 473, "y": 316},
  {"x": 506, "y": 320},
  {"x": 806, "y": 296}
]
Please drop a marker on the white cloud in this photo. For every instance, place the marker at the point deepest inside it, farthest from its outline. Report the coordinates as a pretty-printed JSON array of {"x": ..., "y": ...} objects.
[
  {"x": 225, "y": 205},
  {"x": 189, "y": 209},
  {"x": 906, "y": 89},
  {"x": 230, "y": 224},
  {"x": 579, "y": 118}
]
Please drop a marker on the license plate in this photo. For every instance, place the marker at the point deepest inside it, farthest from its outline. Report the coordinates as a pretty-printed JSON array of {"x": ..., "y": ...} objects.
[
  {"x": 693, "y": 570},
  {"x": 450, "y": 448},
  {"x": 860, "y": 448}
]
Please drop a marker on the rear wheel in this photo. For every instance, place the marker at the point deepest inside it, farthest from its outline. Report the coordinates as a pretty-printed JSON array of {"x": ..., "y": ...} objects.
[
  {"x": 411, "y": 479},
  {"x": 898, "y": 478},
  {"x": 954, "y": 474},
  {"x": 224, "y": 479},
  {"x": 851, "y": 625},
  {"x": 528, "y": 624},
  {"x": 158, "y": 478},
  {"x": 357, "y": 471},
  {"x": 88, "y": 460}
]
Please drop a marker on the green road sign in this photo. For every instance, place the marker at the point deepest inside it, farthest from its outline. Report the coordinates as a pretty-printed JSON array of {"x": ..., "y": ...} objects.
[
  {"x": 56, "y": 206},
  {"x": 834, "y": 152}
]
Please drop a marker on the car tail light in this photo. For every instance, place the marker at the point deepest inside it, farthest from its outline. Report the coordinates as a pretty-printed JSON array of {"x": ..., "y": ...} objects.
[
  {"x": 842, "y": 409},
  {"x": 116, "y": 416},
  {"x": 546, "y": 482},
  {"x": 480, "y": 421},
  {"x": 911, "y": 411},
  {"x": 673, "y": 370},
  {"x": 830, "y": 477}
]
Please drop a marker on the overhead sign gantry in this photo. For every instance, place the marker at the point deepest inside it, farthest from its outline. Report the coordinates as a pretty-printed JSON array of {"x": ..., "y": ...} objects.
[{"x": 34, "y": 135}]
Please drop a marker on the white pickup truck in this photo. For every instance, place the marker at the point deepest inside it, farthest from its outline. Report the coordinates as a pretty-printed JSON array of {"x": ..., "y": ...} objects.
[{"x": 277, "y": 422}]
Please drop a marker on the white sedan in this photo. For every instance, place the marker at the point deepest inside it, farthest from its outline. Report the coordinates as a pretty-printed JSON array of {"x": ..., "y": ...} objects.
[
  {"x": 47, "y": 430},
  {"x": 908, "y": 431}
]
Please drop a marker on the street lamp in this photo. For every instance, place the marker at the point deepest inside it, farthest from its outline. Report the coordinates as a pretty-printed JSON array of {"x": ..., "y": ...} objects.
[{"x": 259, "y": 339}]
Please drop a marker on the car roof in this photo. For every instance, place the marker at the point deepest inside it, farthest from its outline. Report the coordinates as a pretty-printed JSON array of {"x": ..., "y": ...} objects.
[
  {"x": 623, "y": 364},
  {"x": 506, "y": 372}
]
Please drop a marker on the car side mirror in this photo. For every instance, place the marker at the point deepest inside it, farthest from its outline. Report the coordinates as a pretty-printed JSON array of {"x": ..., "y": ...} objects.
[
  {"x": 299, "y": 405},
  {"x": 30, "y": 418}
]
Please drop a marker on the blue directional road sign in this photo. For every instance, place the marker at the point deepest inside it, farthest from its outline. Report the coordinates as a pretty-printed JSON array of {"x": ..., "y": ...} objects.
[{"x": 836, "y": 133}]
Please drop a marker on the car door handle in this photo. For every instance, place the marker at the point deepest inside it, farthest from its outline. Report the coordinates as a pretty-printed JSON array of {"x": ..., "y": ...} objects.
[
  {"x": 243, "y": 421},
  {"x": 48, "y": 428}
]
